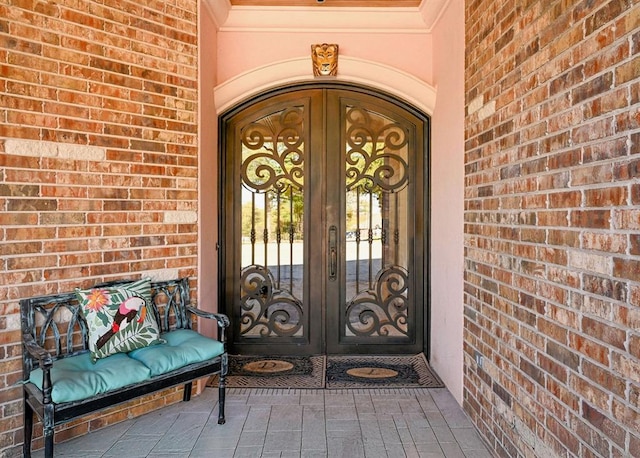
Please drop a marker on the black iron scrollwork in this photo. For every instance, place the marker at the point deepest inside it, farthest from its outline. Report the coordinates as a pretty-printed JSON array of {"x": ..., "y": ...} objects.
[
  {"x": 373, "y": 162},
  {"x": 277, "y": 162},
  {"x": 383, "y": 311},
  {"x": 264, "y": 310}
]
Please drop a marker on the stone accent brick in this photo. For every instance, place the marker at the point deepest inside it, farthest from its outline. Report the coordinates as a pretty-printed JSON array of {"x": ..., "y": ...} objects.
[
  {"x": 567, "y": 214},
  {"x": 180, "y": 217},
  {"x": 98, "y": 162}
]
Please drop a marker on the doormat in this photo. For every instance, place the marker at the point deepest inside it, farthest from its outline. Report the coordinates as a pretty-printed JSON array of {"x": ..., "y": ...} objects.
[
  {"x": 274, "y": 372},
  {"x": 380, "y": 372},
  {"x": 333, "y": 372}
]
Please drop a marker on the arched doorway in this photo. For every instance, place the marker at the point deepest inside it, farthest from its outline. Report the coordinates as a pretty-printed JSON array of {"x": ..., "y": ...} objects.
[{"x": 324, "y": 222}]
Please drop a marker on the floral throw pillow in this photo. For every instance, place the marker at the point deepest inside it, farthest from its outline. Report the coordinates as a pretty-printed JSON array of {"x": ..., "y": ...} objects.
[{"x": 118, "y": 318}]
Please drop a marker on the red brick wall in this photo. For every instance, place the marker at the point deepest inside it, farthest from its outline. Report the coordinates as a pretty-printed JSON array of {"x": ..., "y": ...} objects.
[
  {"x": 98, "y": 160},
  {"x": 552, "y": 226}
]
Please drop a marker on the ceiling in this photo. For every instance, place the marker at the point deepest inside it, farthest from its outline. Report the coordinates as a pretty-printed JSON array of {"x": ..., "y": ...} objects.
[{"x": 329, "y": 3}]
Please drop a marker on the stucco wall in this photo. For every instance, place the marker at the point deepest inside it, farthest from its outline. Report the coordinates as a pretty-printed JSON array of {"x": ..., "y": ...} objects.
[
  {"x": 207, "y": 165},
  {"x": 435, "y": 59},
  {"x": 447, "y": 195},
  {"x": 239, "y": 52}
]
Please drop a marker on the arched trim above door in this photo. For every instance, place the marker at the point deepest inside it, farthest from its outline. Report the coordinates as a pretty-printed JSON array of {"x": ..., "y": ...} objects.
[{"x": 373, "y": 74}]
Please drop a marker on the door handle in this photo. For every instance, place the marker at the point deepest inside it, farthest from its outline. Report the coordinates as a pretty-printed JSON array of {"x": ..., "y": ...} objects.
[{"x": 333, "y": 252}]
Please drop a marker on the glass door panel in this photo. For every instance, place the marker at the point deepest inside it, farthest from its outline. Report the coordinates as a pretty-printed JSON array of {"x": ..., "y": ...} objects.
[
  {"x": 268, "y": 240},
  {"x": 377, "y": 171},
  {"x": 272, "y": 207},
  {"x": 377, "y": 178}
]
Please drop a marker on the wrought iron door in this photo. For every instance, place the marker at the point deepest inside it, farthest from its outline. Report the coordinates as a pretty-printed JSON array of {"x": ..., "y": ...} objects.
[{"x": 323, "y": 224}]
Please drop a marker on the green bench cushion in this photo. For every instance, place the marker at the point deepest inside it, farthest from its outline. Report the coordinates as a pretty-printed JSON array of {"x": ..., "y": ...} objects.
[
  {"x": 180, "y": 348},
  {"x": 77, "y": 377}
]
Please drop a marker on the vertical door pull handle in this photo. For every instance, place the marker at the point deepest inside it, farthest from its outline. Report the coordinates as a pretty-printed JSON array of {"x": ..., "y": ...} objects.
[{"x": 333, "y": 252}]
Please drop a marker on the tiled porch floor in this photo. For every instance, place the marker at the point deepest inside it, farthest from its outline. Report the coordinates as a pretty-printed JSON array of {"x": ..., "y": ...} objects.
[{"x": 293, "y": 423}]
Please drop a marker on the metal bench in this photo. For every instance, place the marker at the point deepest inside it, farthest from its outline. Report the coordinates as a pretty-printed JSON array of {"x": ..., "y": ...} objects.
[{"x": 54, "y": 328}]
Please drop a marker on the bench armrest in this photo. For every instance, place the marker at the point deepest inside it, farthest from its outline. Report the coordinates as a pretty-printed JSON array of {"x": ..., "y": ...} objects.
[
  {"x": 44, "y": 361},
  {"x": 37, "y": 352},
  {"x": 223, "y": 320}
]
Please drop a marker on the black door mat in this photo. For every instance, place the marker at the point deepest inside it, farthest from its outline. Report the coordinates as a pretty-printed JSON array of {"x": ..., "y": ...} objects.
[
  {"x": 275, "y": 372},
  {"x": 332, "y": 372},
  {"x": 380, "y": 372}
]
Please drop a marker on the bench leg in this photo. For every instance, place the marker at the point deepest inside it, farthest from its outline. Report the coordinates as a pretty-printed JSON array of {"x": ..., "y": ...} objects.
[
  {"x": 186, "y": 395},
  {"x": 221, "y": 395},
  {"x": 27, "y": 426},
  {"x": 49, "y": 428},
  {"x": 48, "y": 444}
]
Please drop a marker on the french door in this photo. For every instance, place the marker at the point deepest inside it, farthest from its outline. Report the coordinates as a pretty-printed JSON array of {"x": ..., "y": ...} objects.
[{"x": 323, "y": 223}]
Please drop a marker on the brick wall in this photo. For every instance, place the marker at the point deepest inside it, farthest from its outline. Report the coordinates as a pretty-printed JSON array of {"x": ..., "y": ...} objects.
[
  {"x": 98, "y": 161},
  {"x": 552, "y": 226}
]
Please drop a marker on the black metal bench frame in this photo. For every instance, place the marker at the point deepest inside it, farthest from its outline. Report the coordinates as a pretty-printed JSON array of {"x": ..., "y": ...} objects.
[{"x": 46, "y": 338}]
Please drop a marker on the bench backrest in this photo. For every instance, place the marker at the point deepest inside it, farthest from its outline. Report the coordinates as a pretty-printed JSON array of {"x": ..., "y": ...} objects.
[{"x": 57, "y": 324}]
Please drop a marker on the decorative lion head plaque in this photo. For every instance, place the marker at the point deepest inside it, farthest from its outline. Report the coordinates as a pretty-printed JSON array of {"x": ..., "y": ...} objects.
[{"x": 325, "y": 59}]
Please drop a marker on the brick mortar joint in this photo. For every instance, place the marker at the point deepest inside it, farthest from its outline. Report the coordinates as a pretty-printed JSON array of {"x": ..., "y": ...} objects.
[{"x": 164, "y": 13}]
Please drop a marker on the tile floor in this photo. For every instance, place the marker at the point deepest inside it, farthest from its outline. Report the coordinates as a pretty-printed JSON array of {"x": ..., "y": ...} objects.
[{"x": 270, "y": 423}]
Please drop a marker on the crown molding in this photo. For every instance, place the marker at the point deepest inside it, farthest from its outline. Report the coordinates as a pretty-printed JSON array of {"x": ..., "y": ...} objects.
[
  {"x": 432, "y": 11},
  {"x": 218, "y": 9},
  {"x": 330, "y": 19}
]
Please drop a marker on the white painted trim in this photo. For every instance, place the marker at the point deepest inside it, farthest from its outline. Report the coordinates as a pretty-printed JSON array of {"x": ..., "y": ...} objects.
[
  {"x": 329, "y": 19},
  {"x": 372, "y": 74},
  {"x": 335, "y": 19},
  {"x": 219, "y": 9},
  {"x": 432, "y": 11}
]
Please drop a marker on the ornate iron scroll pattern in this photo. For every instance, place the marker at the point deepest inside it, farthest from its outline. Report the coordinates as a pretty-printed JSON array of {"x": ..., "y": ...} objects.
[
  {"x": 381, "y": 312},
  {"x": 265, "y": 310},
  {"x": 377, "y": 173},
  {"x": 276, "y": 159},
  {"x": 372, "y": 162},
  {"x": 273, "y": 171}
]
